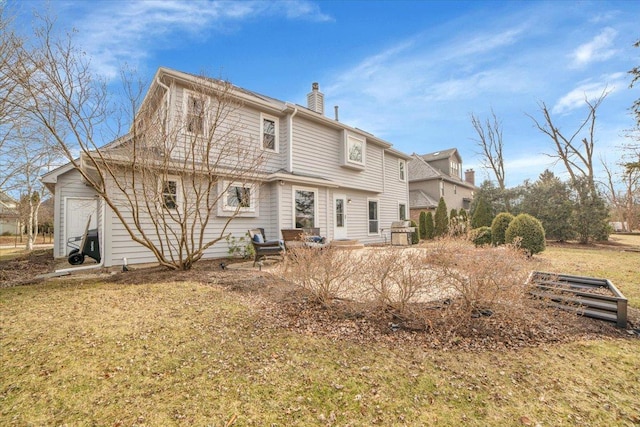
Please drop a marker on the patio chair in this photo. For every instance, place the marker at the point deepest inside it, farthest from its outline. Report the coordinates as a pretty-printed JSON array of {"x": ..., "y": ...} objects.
[{"x": 263, "y": 247}]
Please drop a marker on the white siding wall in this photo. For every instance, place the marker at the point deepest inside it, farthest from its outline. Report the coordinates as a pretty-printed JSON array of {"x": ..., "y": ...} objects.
[
  {"x": 123, "y": 246},
  {"x": 316, "y": 151}
]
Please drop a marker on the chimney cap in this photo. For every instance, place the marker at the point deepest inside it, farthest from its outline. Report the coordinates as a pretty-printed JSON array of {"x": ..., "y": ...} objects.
[{"x": 315, "y": 86}]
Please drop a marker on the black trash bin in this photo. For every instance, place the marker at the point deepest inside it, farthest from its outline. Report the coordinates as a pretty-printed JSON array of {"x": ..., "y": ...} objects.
[{"x": 89, "y": 246}]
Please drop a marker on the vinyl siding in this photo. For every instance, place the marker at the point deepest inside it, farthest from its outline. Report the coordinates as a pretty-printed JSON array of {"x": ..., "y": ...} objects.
[
  {"x": 317, "y": 152},
  {"x": 122, "y": 245}
]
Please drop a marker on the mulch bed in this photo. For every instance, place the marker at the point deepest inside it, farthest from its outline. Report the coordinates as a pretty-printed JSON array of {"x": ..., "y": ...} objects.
[{"x": 279, "y": 306}]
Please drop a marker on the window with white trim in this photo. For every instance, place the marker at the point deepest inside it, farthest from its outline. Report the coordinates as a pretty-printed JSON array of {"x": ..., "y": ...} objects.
[
  {"x": 195, "y": 112},
  {"x": 240, "y": 197},
  {"x": 402, "y": 211},
  {"x": 305, "y": 207},
  {"x": 170, "y": 194},
  {"x": 402, "y": 170},
  {"x": 269, "y": 128},
  {"x": 373, "y": 217},
  {"x": 442, "y": 188},
  {"x": 355, "y": 150}
]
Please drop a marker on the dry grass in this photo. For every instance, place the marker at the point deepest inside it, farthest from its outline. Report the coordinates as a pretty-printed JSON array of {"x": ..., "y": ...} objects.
[
  {"x": 617, "y": 261},
  {"x": 210, "y": 348},
  {"x": 194, "y": 354}
]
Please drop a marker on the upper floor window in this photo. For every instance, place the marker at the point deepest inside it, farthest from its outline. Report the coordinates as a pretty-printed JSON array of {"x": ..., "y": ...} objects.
[
  {"x": 269, "y": 132},
  {"x": 170, "y": 194},
  {"x": 456, "y": 169},
  {"x": 355, "y": 150},
  {"x": 195, "y": 114},
  {"x": 401, "y": 169},
  {"x": 442, "y": 188}
]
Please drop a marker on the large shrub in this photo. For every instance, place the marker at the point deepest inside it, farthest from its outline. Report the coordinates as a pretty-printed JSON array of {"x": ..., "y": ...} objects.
[
  {"x": 429, "y": 228},
  {"x": 422, "y": 221},
  {"x": 481, "y": 236},
  {"x": 482, "y": 215},
  {"x": 530, "y": 232},
  {"x": 499, "y": 227},
  {"x": 415, "y": 235},
  {"x": 441, "y": 220}
]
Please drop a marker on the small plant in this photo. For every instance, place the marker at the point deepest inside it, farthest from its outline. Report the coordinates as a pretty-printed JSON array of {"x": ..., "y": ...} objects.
[
  {"x": 325, "y": 274},
  {"x": 499, "y": 227},
  {"x": 530, "y": 232},
  {"x": 480, "y": 236},
  {"x": 239, "y": 247}
]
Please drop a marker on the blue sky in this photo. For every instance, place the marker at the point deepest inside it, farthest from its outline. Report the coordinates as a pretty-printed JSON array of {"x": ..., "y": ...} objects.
[{"x": 409, "y": 72}]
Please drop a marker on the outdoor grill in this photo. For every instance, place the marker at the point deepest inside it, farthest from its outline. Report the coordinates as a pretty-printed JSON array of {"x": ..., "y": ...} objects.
[{"x": 401, "y": 233}]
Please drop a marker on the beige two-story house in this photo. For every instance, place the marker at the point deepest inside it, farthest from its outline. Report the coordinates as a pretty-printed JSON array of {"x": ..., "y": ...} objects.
[
  {"x": 316, "y": 172},
  {"x": 436, "y": 175}
]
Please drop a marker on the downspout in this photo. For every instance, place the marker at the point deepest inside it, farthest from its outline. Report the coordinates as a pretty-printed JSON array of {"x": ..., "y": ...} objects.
[
  {"x": 290, "y": 159},
  {"x": 165, "y": 87}
]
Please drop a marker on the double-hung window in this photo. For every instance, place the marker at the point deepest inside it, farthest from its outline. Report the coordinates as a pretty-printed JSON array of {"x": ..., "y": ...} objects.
[
  {"x": 401, "y": 170},
  {"x": 305, "y": 207},
  {"x": 195, "y": 114},
  {"x": 402, "y": 211},
  {"x": 373, "y": 217},
  {"x": 170, "y": 194},
  {"x": 269, "y": 132}
]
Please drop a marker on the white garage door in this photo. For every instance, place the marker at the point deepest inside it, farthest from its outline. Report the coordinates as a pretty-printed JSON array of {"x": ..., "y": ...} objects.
[{"x": 77, "y": 213}]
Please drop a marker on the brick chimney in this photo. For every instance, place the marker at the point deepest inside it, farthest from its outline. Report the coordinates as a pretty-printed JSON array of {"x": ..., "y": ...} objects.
[
  {"x": 315, "y": 99},
  {"x": 470, "y": 176}
]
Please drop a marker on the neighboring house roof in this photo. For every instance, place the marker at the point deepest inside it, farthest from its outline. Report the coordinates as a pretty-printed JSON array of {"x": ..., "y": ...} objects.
[
  {"x": 7, "y": 201},
  {"x": 420, "y": 170},
  {"x": 442, "y": 154},
  {"x": 421, "y": 200}
]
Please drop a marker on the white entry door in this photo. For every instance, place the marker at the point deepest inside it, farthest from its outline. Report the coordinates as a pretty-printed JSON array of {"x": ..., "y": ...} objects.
[
  {"x": 340, "y": 216},
  {"x": 77, "y": 212}
]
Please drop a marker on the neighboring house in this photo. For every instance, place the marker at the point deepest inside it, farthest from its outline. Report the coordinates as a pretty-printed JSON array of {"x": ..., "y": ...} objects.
[
  {"x": 436, "y": 175},
  {"x": 9, "y": 218},
  {"x": 320, "y": 173}
]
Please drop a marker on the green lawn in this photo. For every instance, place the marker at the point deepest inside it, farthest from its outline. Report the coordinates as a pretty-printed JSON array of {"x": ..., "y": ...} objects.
[{"x": 189, "y": 353}]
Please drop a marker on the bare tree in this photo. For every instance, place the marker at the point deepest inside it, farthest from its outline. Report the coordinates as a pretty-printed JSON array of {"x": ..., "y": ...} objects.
[
  {"x": 623, "y": 194},
  {"x": 491, "y": 149},
  {"x": 635, "y": 72},
  {"x": 169, "y": 177},
  {"x": 576, "y": 151},
  {"x": 10, "y": 44}
]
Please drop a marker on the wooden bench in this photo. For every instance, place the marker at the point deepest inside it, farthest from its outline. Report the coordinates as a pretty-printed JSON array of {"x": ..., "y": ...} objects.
[
  {"x": 263, "y": 247},
  {"x": 299, "y": 237}
]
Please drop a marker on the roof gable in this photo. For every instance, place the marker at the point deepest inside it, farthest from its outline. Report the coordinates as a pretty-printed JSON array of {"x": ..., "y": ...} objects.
[{"x": 442, "y": 154}]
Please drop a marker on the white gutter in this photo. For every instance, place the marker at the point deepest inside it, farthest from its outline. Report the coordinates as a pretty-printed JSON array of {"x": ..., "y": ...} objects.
[{"x": 290, "y": 165}]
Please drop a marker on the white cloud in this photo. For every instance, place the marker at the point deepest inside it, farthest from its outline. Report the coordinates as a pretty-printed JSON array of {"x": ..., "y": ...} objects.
[
  {"x": 597, "y": 50},
  {"x": 117, "y": 32},
  {"x": 588, "y": 91}
]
